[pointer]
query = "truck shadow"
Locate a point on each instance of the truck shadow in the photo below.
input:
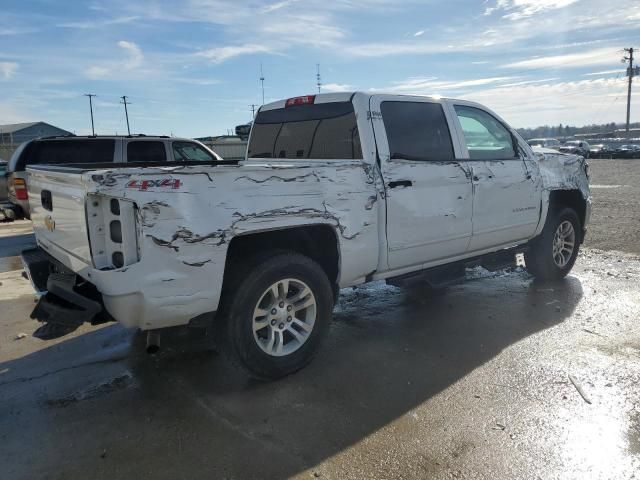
(389, 351)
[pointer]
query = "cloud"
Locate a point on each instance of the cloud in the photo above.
(519, 9)
(9, 31)
(577, 103)
(278, 5)
(337, 87)
(93, 24)
(601, 56)
(432, 85)
(8, 69)
(135, 54)
(96, 72)
(132, 61)
(222, 54)
(419, 33)
(604, 72)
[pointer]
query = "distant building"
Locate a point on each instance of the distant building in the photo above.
(21, 132)
(229, 147)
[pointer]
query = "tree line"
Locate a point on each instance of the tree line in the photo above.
(567, 130)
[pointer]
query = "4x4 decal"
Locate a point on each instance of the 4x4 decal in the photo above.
(144, 185)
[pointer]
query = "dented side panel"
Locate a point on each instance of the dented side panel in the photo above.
(560, 171)
(187, 216)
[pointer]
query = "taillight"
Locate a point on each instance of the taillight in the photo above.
(20, 186)
(304, 100)
(113, 233)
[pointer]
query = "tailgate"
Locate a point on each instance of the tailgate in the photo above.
(57, 203)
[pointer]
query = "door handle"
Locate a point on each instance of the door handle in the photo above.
(400, 183)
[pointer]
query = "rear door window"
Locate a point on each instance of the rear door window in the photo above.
(486, 137)
(146, 151)
(56, 152)
(189, 151)
(317, 131)
(417, 131)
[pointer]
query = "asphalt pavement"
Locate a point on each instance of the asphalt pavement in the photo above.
(498, 377)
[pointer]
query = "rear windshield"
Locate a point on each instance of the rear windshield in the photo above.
(56, 152)
(319, 131)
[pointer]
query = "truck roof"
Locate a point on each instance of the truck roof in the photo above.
(338, 97)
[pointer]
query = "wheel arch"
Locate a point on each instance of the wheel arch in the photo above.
(316, 241)
(573, 199)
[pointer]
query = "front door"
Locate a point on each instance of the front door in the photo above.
(428, 192)
(506, 197)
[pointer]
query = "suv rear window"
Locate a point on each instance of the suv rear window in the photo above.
(146, 151)
(318, 131)
(55, 152)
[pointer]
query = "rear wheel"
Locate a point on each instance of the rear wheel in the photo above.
(554, 252)
(278, 315)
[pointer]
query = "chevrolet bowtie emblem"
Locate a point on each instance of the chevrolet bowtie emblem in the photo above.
(50, 223)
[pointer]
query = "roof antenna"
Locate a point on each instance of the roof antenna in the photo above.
(318, 82)
(262, 82)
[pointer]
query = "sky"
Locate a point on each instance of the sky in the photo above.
(191, 68)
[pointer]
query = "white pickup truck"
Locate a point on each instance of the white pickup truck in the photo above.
(336, 190)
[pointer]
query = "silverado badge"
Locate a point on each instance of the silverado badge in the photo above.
(50, 223)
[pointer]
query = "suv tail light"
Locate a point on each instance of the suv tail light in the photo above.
(304, 100)
(20, 186)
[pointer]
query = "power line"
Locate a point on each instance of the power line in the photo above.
(253, 110)
(318, 82)
(630, 74)
(262, 82)
(91, 95)
(126, 113)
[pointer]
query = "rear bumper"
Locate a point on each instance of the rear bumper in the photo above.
(61, 301)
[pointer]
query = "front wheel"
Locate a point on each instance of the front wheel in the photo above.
(554, 252)
(278, 315)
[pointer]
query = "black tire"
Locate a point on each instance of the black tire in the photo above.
(253, 278)
(539, 259)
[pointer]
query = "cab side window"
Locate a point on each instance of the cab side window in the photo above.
(146, 151)
(417, 131)
(486, 137)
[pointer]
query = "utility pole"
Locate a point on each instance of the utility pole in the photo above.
(253, 110)
(262, 82)
(318, 83)
(91, 95)
(630, 75)
(126, 113)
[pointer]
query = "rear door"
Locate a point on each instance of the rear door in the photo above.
(506, 196)
(429, 193)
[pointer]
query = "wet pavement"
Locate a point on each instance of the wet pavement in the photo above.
(500, 377)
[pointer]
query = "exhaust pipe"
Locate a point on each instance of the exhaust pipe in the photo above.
(153, 341)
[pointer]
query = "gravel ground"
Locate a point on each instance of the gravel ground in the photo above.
(615, 221)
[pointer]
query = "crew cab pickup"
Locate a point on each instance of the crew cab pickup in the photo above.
(336, 190)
